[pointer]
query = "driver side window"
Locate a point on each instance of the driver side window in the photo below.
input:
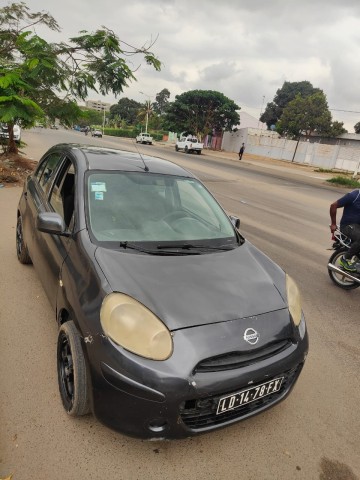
(63, 192)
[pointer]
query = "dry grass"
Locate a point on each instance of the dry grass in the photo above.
(14, 168)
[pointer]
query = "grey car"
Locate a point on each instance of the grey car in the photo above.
(171, 323)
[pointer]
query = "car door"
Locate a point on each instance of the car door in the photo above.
(34, 199)
(52, 249)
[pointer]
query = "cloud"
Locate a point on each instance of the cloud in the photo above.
(245, 50)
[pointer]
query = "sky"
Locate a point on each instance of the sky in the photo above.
(244, 49)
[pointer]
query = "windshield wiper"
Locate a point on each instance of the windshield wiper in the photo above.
(190, 246)
(133, 246)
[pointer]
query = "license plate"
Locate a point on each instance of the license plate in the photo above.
(236, 400)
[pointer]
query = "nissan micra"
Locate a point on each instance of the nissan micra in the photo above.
(171, 323)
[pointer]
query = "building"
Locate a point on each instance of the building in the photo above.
(97, 105)
(249, 125)
(345, 139)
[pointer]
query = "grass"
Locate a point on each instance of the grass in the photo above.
(344, 181)
(324, 170)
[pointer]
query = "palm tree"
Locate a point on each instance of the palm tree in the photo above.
(145, 112)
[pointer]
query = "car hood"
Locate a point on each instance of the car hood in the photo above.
(185, 291)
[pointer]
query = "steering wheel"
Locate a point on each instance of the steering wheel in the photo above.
(175, 215)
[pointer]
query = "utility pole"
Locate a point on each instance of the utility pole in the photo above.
(261, 110)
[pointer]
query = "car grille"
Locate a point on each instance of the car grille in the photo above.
(201, 413)
(239, 359)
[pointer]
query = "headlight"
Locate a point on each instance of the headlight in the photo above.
(293, 297)
(129, 324)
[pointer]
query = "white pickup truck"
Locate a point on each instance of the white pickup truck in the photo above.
(144, 138)
(189, 144)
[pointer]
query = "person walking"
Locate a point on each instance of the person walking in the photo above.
(242, 149)
(349, 225)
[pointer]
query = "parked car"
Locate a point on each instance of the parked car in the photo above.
(96, 133)
(171, 323)
(4, 132)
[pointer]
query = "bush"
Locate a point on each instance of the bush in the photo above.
(345, 181)
(120, 132)
(131, 133)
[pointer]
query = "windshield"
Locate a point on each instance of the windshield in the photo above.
(146, 207)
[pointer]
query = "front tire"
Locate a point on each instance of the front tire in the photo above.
(72, 373)
(21, 249)
(187, 149)
(176, 148)
(340, 280)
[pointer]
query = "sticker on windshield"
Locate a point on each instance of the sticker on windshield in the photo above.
(99, 196)
(98, 187)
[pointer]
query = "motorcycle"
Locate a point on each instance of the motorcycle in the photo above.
(342, 278)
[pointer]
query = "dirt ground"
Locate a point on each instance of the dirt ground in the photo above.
(14, 168)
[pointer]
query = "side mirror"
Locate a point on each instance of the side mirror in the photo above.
(235, 221)
(51, 222)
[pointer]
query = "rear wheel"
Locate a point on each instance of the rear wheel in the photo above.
(21, 249)
(72, 374)
(198, 152)
(340, 279)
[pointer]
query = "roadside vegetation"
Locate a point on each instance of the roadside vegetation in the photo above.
(41, 79)
(297, 109)
(344, 181)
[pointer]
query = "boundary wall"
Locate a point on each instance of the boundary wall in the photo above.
(268, 144)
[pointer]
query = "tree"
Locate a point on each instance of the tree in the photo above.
(145, 112)
(161, 101)
(38, 77)
(306, 114)
(283, 97)
(126, 109)
(357, 127)
(201, 112)
(90, 117)
(337, 128)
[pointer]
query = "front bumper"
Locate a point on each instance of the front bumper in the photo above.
(175, 399)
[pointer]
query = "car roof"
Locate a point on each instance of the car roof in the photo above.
(101, 158)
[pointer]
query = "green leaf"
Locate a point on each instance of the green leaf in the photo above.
(33, 63)
(34, 72)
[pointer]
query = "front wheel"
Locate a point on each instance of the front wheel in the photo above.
(72, 373)
(187, 149)
(198, 152)
(340, 279)
(21, 249)
(176, 148)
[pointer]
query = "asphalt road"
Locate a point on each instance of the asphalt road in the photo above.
(313, 434)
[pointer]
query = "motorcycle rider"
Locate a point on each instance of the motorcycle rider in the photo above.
(349, 225)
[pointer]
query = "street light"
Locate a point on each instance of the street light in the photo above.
(103, 127)
(147, 110)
